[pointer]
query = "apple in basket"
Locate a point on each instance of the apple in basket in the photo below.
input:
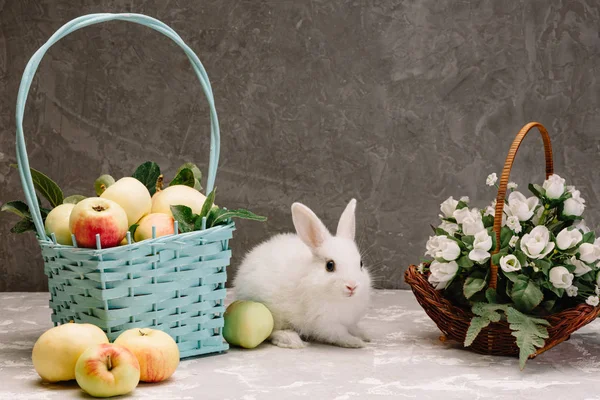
(132, 195)
(155, 350)
(96, 215)
(57, 222)
(163, 223)
(56, 352)
(177, 195)
(107, 370)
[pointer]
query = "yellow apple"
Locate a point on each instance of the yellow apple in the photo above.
(55, 353)
(155, 350)
(96, 215)
(177, 195)
(57, 222)
(132, 195)
(107, 370)
(164, 224)
(247, 323)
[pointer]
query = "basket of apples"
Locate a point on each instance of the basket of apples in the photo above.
(137, 254)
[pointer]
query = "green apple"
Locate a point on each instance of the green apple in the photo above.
(57, 222)
(247, 324)
(107, 370)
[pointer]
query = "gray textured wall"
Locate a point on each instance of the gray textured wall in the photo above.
(397, 103)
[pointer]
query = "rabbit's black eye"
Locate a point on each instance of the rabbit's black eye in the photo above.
(330, 266)
(361, 265)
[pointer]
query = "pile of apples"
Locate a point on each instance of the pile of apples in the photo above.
(120, 205)
(103, 369)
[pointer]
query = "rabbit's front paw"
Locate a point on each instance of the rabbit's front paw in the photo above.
(360, 333)
(287, 339)
(351, 342)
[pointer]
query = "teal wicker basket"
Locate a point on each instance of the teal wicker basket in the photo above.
(173, 283)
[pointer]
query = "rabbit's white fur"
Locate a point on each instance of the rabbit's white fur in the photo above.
(288, 274)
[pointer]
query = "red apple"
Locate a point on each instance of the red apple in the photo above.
(155, 350)
(107, 370)
(96, 215)
(163, 223)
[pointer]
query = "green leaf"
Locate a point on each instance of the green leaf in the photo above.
(223, 215)
(505, 235)
(148, 174)
(511, 276)
(496, 257)
(197, 174)
(74, 199)
(521, 257)
(537, 190)
(208, 203)
(198, 223)
(526, 294)
(23, 225)
(17, 207)
(468, 240)
(484, 315)
(529, 331)
(184, 177)
(488, 221)
(440, 232)
(473, 284)
(491, 295)
(465, 262)
(543, 265)
(461, 205)
(46, 186)
(589, 237)
(132, 229)
(185, 217)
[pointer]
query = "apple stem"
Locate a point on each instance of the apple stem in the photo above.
(109, 362)
(98, 208)
(142, 333)
(159, 182)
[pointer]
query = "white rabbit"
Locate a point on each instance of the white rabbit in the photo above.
(313, 283)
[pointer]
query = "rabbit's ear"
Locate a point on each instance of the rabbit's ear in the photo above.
(347, 226)
(308, 226)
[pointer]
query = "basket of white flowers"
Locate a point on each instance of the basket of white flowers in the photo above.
(518, 277)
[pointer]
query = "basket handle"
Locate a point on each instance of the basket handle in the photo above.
(504, 182)
(33, 64)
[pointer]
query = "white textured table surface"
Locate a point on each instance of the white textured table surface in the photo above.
(405, 360)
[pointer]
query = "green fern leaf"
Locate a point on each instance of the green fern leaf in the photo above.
(484, 315)
(529, 331)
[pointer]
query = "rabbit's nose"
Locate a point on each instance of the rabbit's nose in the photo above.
(351, 286)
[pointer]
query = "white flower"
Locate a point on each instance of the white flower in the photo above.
(512, 186)
(581, 225)
(574, 207)
(448, 207)
(442, 247)
(442, 273)
(460, 215)
(593, 301)
(473, 223)
(536, 244)
(568, 238)
(521, 206)
(510, 263)
(465, 199)
(554, 186)
(481, 247)
(513, 241)
(561, 278)
(572, 291)
(491, 179)
(449, 227)
(514, 224)
(421, 268)
(589, 252)
(581, 268)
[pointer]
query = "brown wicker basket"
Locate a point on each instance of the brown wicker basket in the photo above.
(497, 338)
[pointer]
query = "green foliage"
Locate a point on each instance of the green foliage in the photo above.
(148, 173)
(529, 331)
(46, 187)
(474, 283)
(184, 176)
(197, 174)
(17, 207)
(23, 225)
(208, 203)
(526, 294)
(73, 199)
(465, 262)
(185, 217)
(484, 315)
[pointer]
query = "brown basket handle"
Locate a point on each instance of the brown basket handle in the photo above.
(504, 182)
